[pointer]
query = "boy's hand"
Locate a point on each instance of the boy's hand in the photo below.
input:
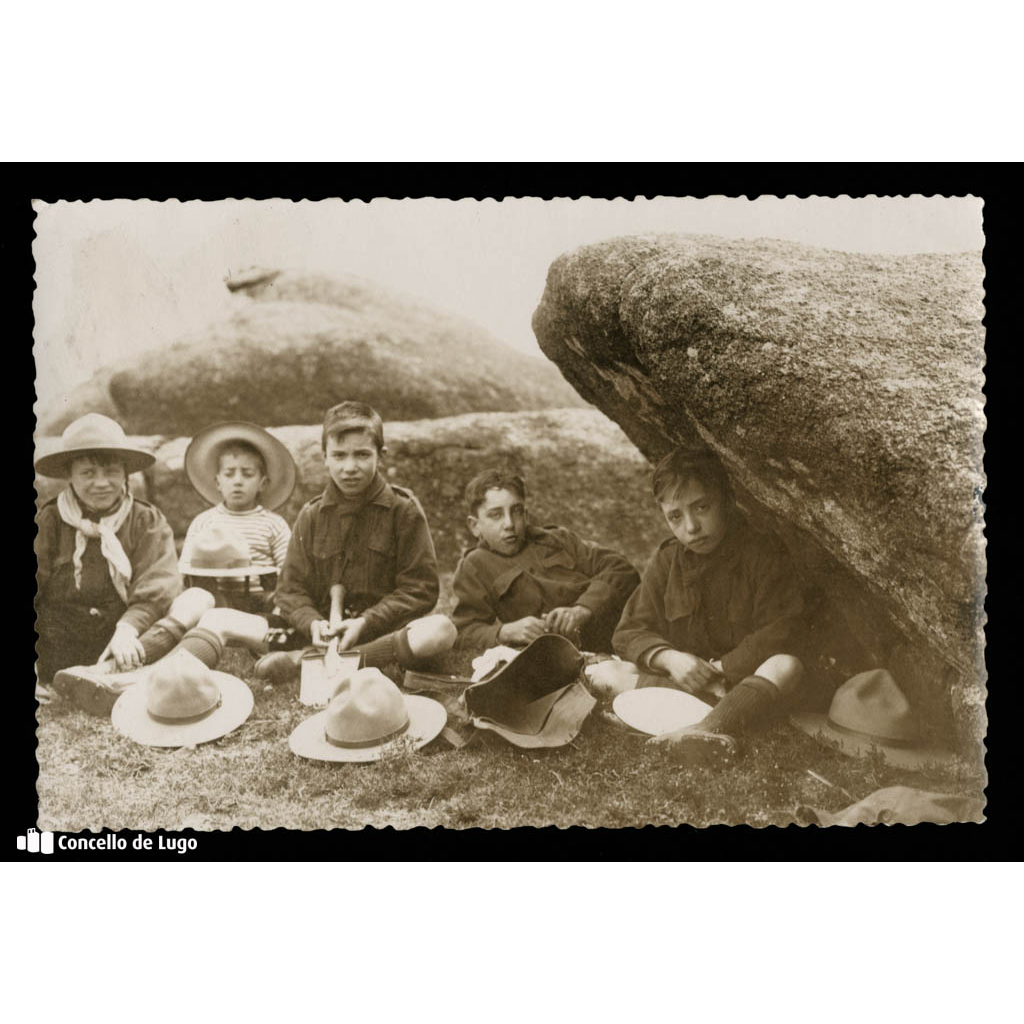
(125, 648)
(685, 670)
(349, 632)
(567, 621)
(522, 631)
(610, 678)
(320, 632)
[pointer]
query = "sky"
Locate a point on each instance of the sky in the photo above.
(119, 276)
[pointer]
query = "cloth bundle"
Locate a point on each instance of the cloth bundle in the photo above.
(534, 699)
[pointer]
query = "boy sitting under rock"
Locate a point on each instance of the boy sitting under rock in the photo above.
(522, 581)
(106, 563)
(245, 473)
(716, 611)
(373, 539)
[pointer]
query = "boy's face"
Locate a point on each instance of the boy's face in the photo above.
(351, 461)
(97, 483)
(696, 514)
(240, 479)
(500, 521)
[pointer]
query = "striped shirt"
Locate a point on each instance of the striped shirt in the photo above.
(266, 533)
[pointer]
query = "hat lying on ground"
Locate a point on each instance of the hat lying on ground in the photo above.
(537, 699)
(366, 713)
(181, 704)
(93, 434)
(658, 709)
(218, 551)
(203, 453)
(869, 712)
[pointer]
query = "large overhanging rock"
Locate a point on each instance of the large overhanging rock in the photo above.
(298, 344)
(842, 391)
(581, 471)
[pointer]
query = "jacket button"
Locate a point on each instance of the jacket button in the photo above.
(94, 611)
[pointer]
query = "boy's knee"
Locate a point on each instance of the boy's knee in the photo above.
(783, 670)
(216, 620)
(232, 625)
(190, 605)
(433, 634)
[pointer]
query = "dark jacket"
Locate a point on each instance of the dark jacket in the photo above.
(554, 569)
(381, 551)
(740, 604)
(147, 541)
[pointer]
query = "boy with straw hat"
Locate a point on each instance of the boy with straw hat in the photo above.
(245, 473)
(107, 569)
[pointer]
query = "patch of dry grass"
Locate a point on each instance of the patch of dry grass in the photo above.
(91, 776)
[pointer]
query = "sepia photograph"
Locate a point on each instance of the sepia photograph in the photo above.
(502, 514)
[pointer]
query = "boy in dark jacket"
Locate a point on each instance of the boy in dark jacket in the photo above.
(521, 581)
(716, 610)
(373, 539)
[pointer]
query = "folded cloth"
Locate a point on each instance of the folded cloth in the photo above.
(491, 659)
(902, 805)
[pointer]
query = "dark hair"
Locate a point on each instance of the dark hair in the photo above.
(240, 447)
(695, 462)
(492, 480)
(344, 417)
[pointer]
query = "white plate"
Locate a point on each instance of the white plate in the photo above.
(658, 709)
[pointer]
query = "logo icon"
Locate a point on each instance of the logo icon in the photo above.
(36, 842)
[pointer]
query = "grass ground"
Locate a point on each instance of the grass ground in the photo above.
(91, 776)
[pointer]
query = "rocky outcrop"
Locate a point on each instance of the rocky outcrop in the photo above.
(581, 471)
(298, 344)
(844, 394)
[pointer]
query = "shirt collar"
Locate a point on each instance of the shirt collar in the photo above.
(221, 507)
(378, 493)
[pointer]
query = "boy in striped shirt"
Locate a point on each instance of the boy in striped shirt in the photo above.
(245, 472)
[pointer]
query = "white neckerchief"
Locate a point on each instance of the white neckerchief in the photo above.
(106, 531)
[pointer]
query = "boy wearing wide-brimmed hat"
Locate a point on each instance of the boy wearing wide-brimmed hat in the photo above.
(372, 538)
(245, 473)
(107, 569)
(717, 613)
(521, 581)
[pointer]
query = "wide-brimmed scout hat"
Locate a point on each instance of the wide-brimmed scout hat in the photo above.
(93, 434)
(181, 704)
(220, 551)
(367, 712)
(537, 699)
(869, 712)
(203, 452)
(658, 709)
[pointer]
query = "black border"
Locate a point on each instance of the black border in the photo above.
(989, 841)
